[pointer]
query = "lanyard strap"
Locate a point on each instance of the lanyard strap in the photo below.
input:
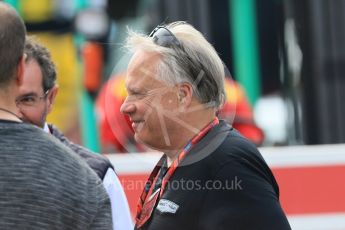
(154, 174)
(186, 149)
(149, 186)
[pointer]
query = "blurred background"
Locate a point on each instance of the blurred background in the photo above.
(287, 55)
(286, 87)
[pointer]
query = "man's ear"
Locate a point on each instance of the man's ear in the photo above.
(20, 70)
(51, 97)
(185, 95)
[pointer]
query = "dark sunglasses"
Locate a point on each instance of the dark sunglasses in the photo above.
(162, 36)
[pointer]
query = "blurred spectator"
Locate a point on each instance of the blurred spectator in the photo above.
(242, 119)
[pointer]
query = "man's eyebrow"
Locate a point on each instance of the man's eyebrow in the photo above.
(27, 94)
(132, 89)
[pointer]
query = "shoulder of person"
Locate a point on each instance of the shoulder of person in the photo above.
(100, 164)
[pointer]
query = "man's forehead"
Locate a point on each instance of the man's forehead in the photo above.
(142, 72)
(141, 80)
(32, 80)
(28, 91)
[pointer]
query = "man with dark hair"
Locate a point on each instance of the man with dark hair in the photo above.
(43, 185)
(210, 176)
(35, 101)
(12, 43)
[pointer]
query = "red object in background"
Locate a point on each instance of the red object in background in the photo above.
(313, 189)
(93, 63)
(116, 131)
(242, 119)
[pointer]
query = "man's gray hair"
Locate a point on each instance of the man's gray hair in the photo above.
(194, 61)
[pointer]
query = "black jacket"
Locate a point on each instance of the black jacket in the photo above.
(223, 183)
(97, 162)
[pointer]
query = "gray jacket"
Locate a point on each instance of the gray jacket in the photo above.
(43, 185)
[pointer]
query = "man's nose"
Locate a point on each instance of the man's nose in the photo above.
(127, 108)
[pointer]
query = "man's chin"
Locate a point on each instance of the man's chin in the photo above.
(138, 139)
(152, 143)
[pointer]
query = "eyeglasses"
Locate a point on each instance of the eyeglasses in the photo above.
(162, 36)
(30, 100)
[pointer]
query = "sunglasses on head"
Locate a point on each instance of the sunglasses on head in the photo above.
(162, 36)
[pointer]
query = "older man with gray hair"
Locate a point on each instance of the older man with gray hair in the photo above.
(209, 177)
